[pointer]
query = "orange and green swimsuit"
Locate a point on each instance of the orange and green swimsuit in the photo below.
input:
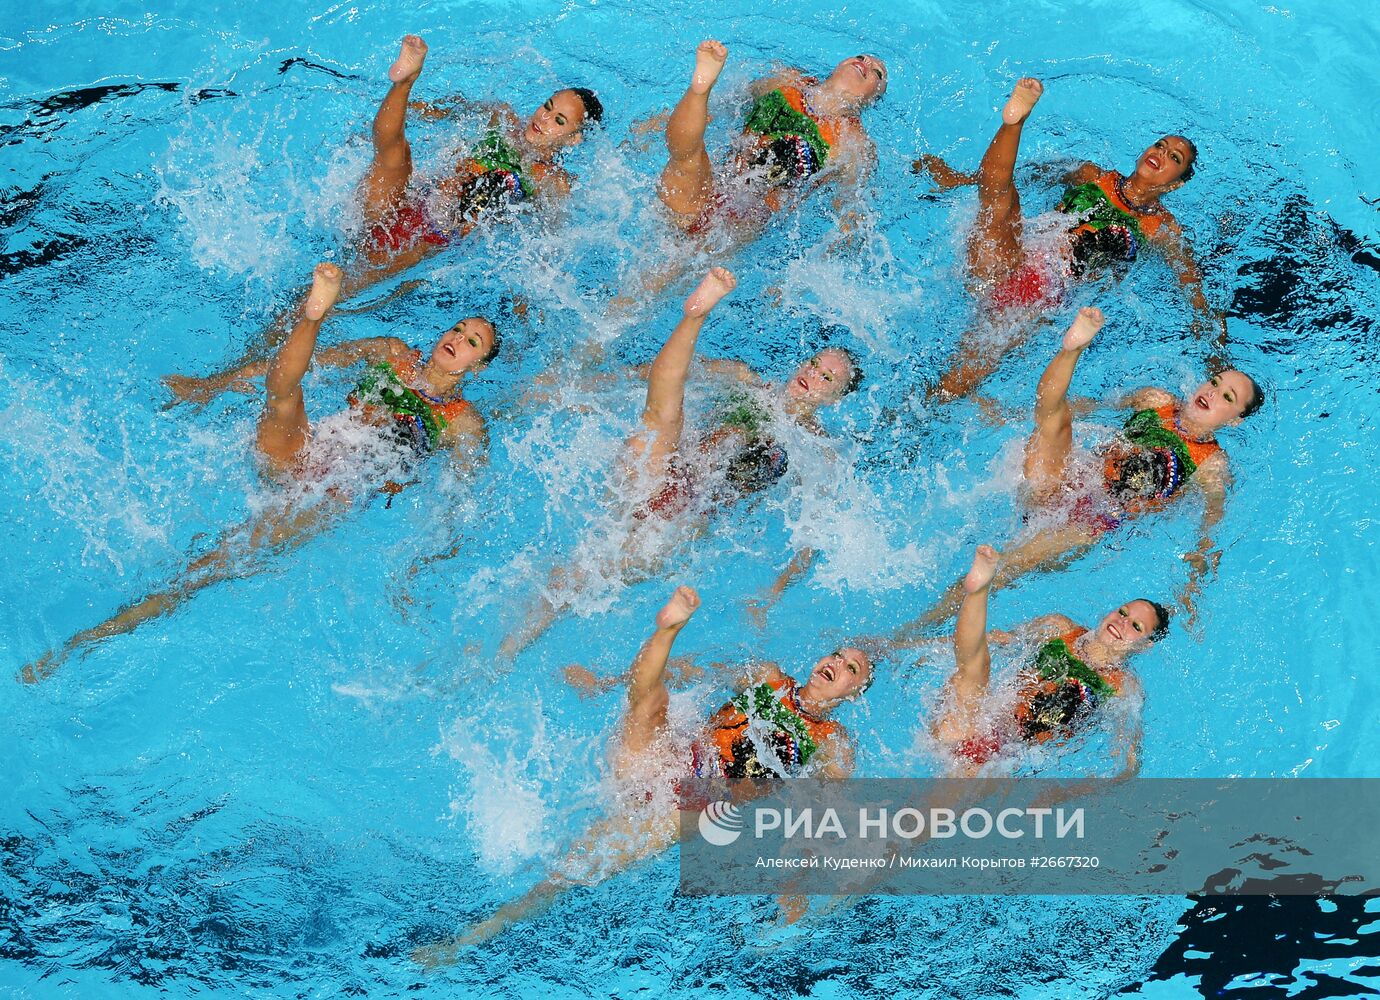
(1099, 206)
(782, 114)
(386, 390)
(1061, 691)
(496, 178)
(771, 712)
(1146, 476)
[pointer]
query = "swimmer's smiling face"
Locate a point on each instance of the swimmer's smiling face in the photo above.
(821, 380)
(1221, 400)
(1129, 627)
(862, 77)
(557, 123)
(841, 675)
(464, 347)
(1164, 164)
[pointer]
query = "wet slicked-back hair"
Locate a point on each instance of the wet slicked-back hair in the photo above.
(496, 340)
(1192, 167)
(1162, 617)
(594, 108)
(1257, 395)
(855, 372)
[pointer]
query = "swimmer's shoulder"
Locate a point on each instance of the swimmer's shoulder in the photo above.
(1085, 173)
(466, 428)
(553, 181)
(1047, 627)
(788, 76)
(1148, 398)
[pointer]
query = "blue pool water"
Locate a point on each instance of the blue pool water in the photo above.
(287, 785)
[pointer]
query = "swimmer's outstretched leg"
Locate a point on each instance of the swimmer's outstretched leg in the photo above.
(994, 249)
(231, 559)
(613, 843)
(645, 720)
(283, 426)
(391, 170)
(995, 252)
(972, 656)
(663, 415)
(688, 180)
(1048, 449)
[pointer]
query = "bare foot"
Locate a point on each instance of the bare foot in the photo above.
(325, 286)
(1085, 326)
(1023, 97)
(944, 176)
(709, 62)
(683, 603)
(410, 59)
(716, 284)
(984, 568)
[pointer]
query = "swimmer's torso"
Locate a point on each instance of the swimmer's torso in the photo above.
(787, 142)
(387, 398)
(1058, 693)
(489, 182)
(770, 712)
(1061, 690)
(1153, 461)
(1108, 228)
(741, 442)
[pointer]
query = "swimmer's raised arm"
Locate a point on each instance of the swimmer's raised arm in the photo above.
(947, 177)
(498, 111)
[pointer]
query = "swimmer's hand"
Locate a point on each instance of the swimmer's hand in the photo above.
(200, 391)
(757, 609)
(1203, 563)
(944, 176)
(583, 679)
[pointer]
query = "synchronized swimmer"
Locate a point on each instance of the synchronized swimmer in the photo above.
(686, 479)
(413, 406)
(799, 134)
(1113, 217)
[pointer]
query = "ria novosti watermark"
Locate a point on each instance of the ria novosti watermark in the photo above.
(1177, 836)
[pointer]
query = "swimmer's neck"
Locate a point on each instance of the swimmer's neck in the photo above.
(816, 709)
(829, 103)
(443, 384)
(1190, 426)
(1142, 195)
(803, 411)
(530, 153)
(1096, 653)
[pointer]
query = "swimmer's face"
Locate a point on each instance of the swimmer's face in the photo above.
(839, 676)
(862, 77)
(464, 347)
(1128, 628)
(821, 380)
(556, 123)
(1164, 163)
(1222, 399)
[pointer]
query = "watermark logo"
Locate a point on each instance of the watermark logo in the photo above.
(721, 823)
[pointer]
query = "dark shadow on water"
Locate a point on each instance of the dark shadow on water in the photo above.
(1259, 938)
